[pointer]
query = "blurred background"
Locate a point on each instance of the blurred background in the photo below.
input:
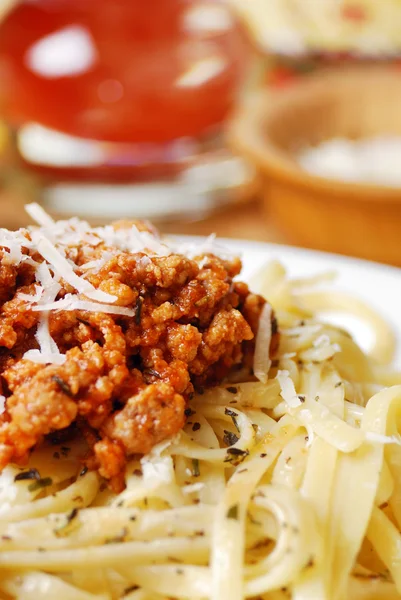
(271, 120)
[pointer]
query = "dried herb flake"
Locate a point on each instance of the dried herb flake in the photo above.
(130, 589)
(233, 415)
(230, 438)
(232, 512)
(195, 467)
(40, 483)
(138, 310)
(64, 387)
(31, 474)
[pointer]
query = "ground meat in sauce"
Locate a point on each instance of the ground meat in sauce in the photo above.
(126, 381)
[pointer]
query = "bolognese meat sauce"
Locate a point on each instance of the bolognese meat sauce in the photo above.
(113, 331)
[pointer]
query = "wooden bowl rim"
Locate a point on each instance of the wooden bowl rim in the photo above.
(245, 133)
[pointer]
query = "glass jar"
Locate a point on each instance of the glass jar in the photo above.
(120, 106)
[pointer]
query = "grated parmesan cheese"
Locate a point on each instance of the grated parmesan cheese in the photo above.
(261, 361)
(70, 302)
(36, 212)
(288, 392)
(32, 298)
(41, 358)
(51, 239)
(379, 438)
(66, 271)
(48, 350)
(2, 404)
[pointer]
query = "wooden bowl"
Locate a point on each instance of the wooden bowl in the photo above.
(349, 218)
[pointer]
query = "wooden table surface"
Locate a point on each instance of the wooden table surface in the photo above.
(244, 221)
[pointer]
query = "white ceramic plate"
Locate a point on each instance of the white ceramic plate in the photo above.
(379, 285)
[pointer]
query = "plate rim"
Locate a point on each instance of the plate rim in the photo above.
(258, 245)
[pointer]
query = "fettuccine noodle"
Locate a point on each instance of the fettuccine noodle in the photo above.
(289, 489)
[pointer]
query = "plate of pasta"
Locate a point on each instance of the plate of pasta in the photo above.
(256, 457)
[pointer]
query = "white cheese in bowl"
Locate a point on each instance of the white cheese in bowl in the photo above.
(375, 160)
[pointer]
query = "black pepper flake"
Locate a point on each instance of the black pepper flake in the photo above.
(188, 412)
(138, 310)
(56, 455)
(179, 571)
(232, 389)
(196, 426)
(137, 472)
(235, 456)
(263, 455)
(317, 398)
(83, 471)
(41, 549)
(233, 415)
(195, 467)
(62, 531)
(338, 384)
(230, 438)
(301, 398)
(232, 512)
(174, 559)
(264, 543)
(6, 538)
(64, 387)
(130, 589)
(31, 474)
(307, 438)
(65, 450)
(132, 518)
(40, 483)
(152, 373)
(199, 533)
(71, 515)
(237, 451)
